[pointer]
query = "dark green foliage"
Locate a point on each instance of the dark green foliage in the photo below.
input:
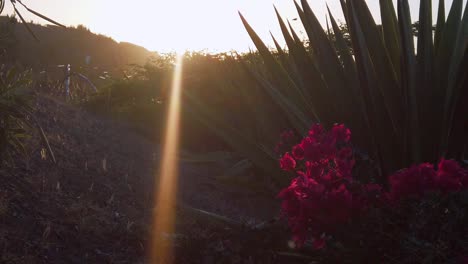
(56, 43)
(8, 39)
(14, 112)
(141, 98)
(399, 102)
(429, 230)
(402, 102)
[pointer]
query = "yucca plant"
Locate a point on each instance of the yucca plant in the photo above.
(404, 102)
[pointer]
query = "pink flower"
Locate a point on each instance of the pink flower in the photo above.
(341, 133)
(422, 178)
(314, 169)
(345, 153)
(345, 167)
(327, 147)
(298, 152)
(318, 200)
(319, 243)
(450, 176)
(324, 196)
(412, 182)
(339, 205)
(311, 150)
(316, 130)
(287, 162)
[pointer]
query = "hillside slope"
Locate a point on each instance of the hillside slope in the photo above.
(95, 205)
(77, 46)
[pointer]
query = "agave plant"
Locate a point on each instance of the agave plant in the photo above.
(403, 101)
(406, 103)
(233, 105)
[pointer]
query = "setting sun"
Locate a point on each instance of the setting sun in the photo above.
(164, 26)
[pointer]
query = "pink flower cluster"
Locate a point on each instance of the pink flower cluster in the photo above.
(323, 196)
(420, 179)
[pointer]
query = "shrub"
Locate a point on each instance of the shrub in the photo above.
(15, 111)
(326, 204)
(324, 194)
(404, 101)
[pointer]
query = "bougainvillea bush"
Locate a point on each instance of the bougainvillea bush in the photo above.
(421, 213)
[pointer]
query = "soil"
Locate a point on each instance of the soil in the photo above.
(95, 204)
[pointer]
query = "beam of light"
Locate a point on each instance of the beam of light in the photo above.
(164, 215)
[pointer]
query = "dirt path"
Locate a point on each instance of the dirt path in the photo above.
(95, 204)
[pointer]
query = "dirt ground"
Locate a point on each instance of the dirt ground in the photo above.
(95, 204)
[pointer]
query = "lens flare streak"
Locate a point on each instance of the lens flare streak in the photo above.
(164, 215)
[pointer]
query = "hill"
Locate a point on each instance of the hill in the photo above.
(73, 45)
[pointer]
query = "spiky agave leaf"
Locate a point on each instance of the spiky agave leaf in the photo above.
(320, 97)
(235, 137)
(408, 84)
(394, 87)
(455, 110)
(457, 141)
(383, 88)
(282, 80)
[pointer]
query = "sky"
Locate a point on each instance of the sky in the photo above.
(179, 25)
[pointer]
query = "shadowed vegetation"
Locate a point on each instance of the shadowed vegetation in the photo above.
(86, 159)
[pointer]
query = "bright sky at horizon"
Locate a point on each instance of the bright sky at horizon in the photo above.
(180, 25)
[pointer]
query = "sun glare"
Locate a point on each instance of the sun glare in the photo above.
(166, 189)
(180, 25)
